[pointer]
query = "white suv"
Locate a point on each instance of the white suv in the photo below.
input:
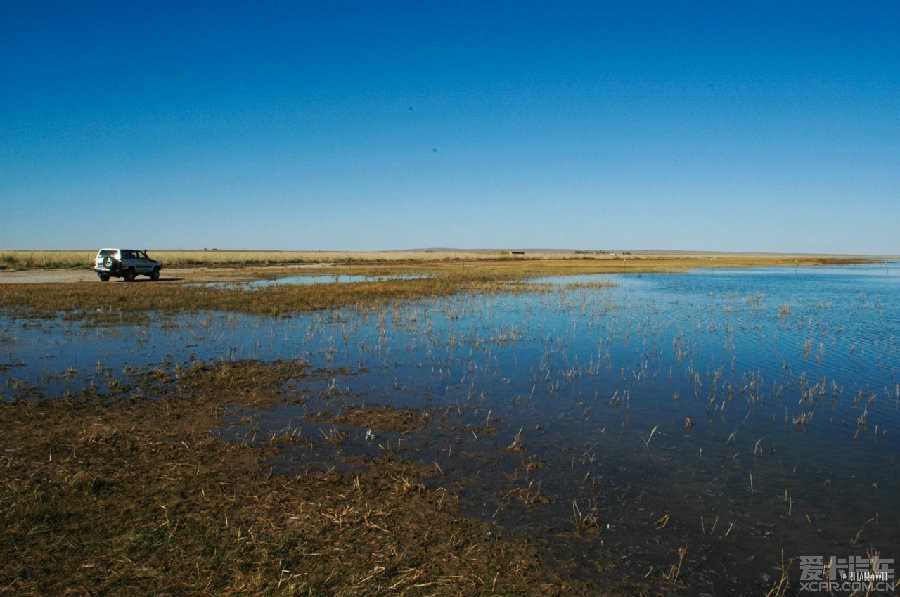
(125, 263)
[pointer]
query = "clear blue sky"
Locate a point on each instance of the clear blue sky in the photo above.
(386, 125)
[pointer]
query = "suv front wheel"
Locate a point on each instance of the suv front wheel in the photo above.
(154, 275)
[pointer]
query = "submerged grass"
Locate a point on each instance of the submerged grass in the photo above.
(131, 493)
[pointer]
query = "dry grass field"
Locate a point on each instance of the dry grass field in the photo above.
(178, 258)
(18, 259)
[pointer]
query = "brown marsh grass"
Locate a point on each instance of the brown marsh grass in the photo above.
(132, 493)
(273, 300)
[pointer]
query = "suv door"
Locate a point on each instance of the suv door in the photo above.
(141, 265)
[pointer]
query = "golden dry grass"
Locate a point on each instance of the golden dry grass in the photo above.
(19, 259)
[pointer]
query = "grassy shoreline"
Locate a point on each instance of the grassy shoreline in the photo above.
(187, 292)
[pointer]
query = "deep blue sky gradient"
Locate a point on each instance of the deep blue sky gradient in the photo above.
(758, 126)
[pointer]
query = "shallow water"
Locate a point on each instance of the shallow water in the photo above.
(739, 413)
(308, 280)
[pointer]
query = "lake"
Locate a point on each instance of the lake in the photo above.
(712, 424)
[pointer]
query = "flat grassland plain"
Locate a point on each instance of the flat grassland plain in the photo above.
(127, 485)
(33, 276)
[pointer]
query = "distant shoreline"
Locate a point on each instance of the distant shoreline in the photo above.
(14, 259)
(53, 267)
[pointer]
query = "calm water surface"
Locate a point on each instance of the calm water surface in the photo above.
(750, 416)
(309, 280)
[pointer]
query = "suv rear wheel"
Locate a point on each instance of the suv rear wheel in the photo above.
(130, 275)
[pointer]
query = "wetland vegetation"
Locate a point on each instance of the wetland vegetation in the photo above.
(130, 491)
(501, 426)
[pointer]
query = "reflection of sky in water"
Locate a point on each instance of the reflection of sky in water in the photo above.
(308, 280)
(790, 376)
